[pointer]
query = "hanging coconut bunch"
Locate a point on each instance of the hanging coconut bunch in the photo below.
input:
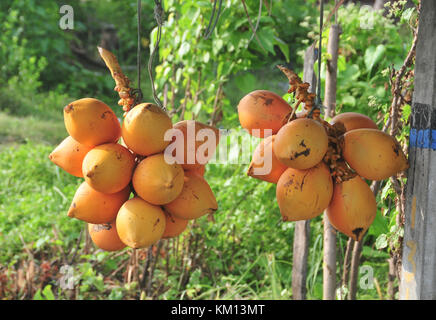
(133, 194)
(318, 165)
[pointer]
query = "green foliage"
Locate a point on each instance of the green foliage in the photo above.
(38, 52)
(46, 294)
(195, 67)
(23, 68)
(369, 44)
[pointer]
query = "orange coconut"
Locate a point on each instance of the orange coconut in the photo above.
(262, 109)
(174, 226)
(96, 207)
(373, 154)
(195, 200)
(105, 236)
(264, 164)
(193, 144)
(108, 168)
(139, 223)
(69, 155)
(301, 143)
(304, 194)
(354, 120)
(91, 122)
(156, 181)
(353, 208)
(144, 129)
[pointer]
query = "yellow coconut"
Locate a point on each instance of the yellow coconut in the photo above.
(139, 223)
(196, 146)
(108, 168)
(264, 164)
(195, 200)
(354, 120)
(374, 155)
(304, 194)
(91, 122)
(156, 181)
(144, 129)
(96, 207)
(353, 208)
(301, 144)
(105, 236)
(69, 155)
(263, 110)
(174, 226)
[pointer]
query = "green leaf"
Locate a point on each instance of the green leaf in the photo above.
(407, 14)
(373, 55)
(206, 57)
(369, 252)
(379, 225)
(38, 295)
(407, 110)
(196, 109)
(247, 82)
(184, 49)
(218, 44)
(284, 48)
(153, 37)
(381, 242)
(266, 36)
(350, 100)
(48, 294)
(351, 72)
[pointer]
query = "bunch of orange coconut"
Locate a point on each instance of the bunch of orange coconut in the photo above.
(319, 165)
(131, 194)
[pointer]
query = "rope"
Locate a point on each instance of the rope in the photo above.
(318, 86)
(210, 28)
(138, 58)
(137, 93)
(253, 29)
(258, 20)
(158, 16)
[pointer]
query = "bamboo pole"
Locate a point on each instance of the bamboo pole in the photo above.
(329, 246)
(302, 228)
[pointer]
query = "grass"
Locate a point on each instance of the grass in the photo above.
(34, 197)
(17, 130)
(34, 193)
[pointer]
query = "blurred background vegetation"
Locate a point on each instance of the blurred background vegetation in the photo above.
(247, 251)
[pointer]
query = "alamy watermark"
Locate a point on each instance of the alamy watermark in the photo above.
(367, 17)
(367, 277)
(67, 281)
(66, 22)
(228, 146)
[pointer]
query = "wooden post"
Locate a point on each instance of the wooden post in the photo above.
(302, 228)
(331, 71)
(329, 245)
(379, 4)
(354, 271)
(418, 270)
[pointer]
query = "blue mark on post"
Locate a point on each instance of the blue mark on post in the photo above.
(423, 127)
